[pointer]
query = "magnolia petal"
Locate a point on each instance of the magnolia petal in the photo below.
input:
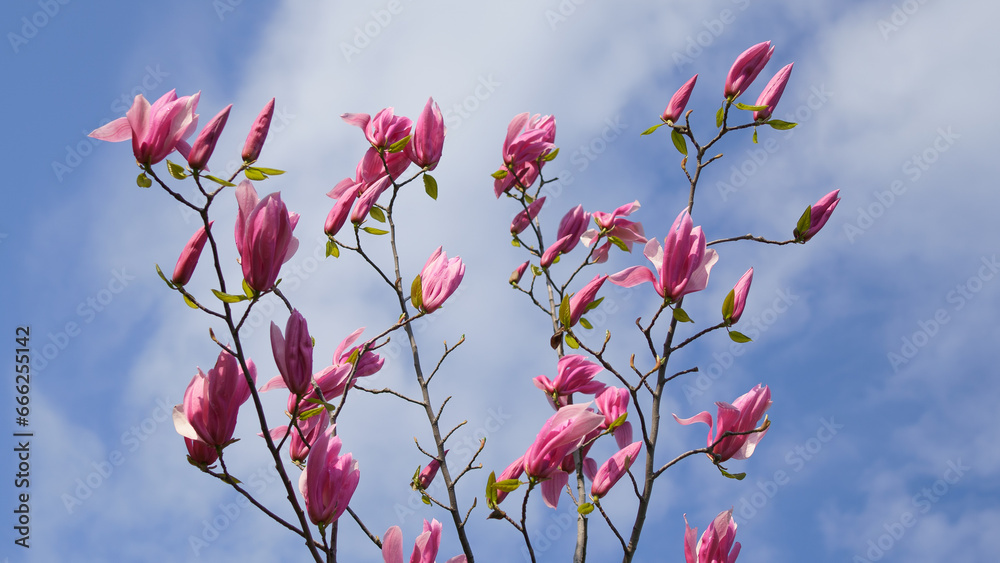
(552, 488)
(114, 131)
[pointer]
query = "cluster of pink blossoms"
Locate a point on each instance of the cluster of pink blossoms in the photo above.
(264, 240)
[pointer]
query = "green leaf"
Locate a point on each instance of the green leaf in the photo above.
(564, 312)
(219, 181)
(728, 305)
(720, 115)
(571, 342)
(755, 135)
(143, 181)
(227, 298)
(737, 476)
(536, 270)
(515, 243)
(254, 174)
(311, 413)
(431, 186)
(170, 284)
(682, 316)
(377, 214)
(679, 143)
(618, 242)
(190, 303)
(804, 223)
(373, 230)
(400, 144)
(585, 508)
(551, 155)
(651, 129)
(507, 485)
(270, 171)
(417, 293)
(585, 323)
(618, 421)
(247, 290)
(739, 337)
(780, 125)
(749, 107)
(332, 249)
(176, 170)
(500, 174)
(593, 305)
(425, 499)
(491, 490)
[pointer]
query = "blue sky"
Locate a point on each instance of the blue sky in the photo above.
(876, 338)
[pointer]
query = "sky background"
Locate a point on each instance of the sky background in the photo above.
(878, 338)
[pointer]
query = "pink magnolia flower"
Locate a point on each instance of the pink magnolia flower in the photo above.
(561, 435)
(200, 452)
(337, 217)
(819, 215)
(428, 473)
(513, 471)
(293, 353)
(614, 469)
(528, 140)
(518, 273)
(212, 402)
(189, 256)
(383, 130)
(746, 68)
(258, 133)
(424, 149)
(302, 439)
(334, 379)
(679, 101)
(369, 196)
(526, 216)
(615, 225)
(772, 93)
(613, 402)
(156, 130)
(329, 479)
(740, 292)
(717, 545)
(263, 236)
(425, 547)
(571, 227)
(682, 264)
(204, 144)
(582, 299)
(439, 279)
(741, 416)
(575, 375)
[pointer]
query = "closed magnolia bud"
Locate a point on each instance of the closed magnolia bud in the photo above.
(204, 145)
(258, 133)
(189, 256)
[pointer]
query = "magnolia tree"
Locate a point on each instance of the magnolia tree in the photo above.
(321, 479)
